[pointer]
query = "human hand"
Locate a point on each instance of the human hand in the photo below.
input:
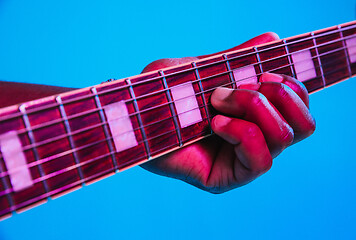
(257, 122)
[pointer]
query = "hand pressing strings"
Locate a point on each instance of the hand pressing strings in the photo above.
(256, 123)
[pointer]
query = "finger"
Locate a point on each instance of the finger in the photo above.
(261, 39)
(291, 106)
(249, 143)
(168, 62)
(252, 106)
(294, 84)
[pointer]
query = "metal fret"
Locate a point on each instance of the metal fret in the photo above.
(144, 136)
(345, 50)
(289, 58)
(202, 93)
(233, 82)
(171, 107)
(258, 59)
(105, 127)
(31, 137)
(318, 57)
(70, 138)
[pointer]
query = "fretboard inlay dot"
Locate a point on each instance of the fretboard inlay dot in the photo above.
(15, 161)
(245, 75)
(351, 48)
(304, 65)
(186, 104)
(120, 126)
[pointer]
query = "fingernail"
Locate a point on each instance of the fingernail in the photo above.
(271, 77)
(250, 86)
(221, 93)
(221, 121)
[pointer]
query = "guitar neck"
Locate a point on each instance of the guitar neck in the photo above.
(57, 144)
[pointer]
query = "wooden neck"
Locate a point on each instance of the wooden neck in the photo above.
(79, 137)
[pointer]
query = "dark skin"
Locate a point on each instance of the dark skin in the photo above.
(257, 122)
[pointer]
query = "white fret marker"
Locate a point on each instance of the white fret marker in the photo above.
(245, 75)
(120, 126)
(186, 104)
(351, 48)
(304, 65)
(15, 161)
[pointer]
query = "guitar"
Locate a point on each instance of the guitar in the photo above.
(55, 145)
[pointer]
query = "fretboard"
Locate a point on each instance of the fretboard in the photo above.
(58, 144)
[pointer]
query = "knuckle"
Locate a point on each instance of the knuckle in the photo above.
(310, 128)
(284, 91)
(263, 165)
(266, 164)
(257, 99)
(252, 131)
(286, 136)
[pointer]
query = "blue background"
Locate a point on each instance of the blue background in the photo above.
(308, 194)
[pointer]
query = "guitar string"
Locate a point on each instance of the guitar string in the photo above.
(77, 183)
(67, 187)
(313, 36)
(60, 120)
(29, 147)
(47, 176)
(59, 137)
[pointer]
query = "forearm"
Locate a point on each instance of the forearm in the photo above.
(14, 92)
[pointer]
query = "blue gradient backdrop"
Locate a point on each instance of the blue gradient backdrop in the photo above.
(308, 194)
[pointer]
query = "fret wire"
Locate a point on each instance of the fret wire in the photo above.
(197, 75)
(171, 107)
(104, 124)
(92, 144)
(70, 136)
(256, 75)
(85, 129)
(345, 50)
(289, 59)
(143, 133)
(165, 147)
(232, 79)
(31, 137)
(258, 59)
(94, 159)
(155, 78)
(151, 79)
(319, 60)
